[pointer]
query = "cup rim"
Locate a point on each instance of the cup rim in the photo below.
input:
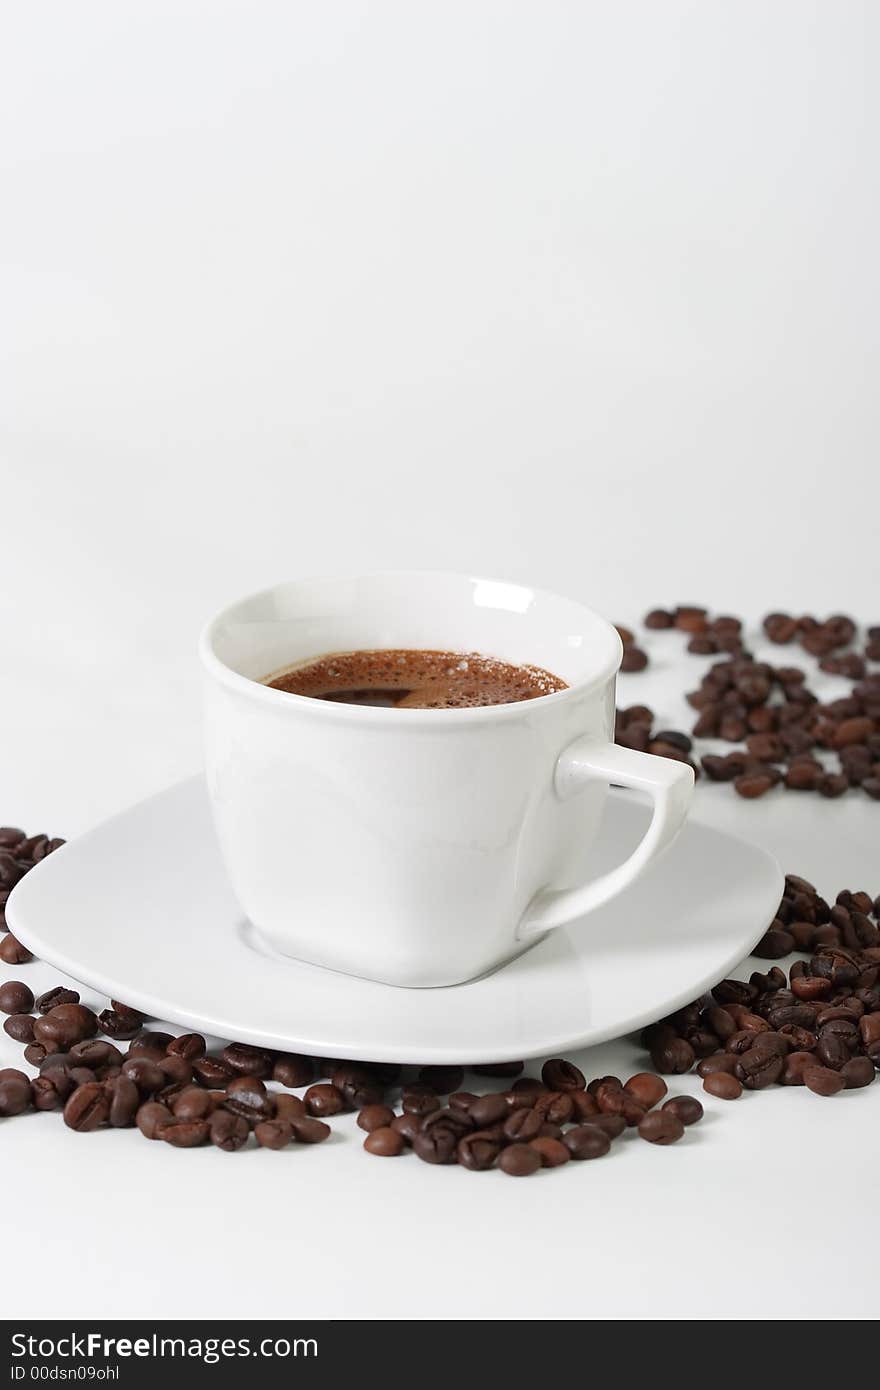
(391, 716)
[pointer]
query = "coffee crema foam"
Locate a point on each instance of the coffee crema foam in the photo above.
(412, 679)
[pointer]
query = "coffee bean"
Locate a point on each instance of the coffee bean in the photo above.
(559, 1075)
(634, 659)
(384, 1142)
(20, 1028)
(552, 1152)
(584, 1106)
(293, 1070)
(723, 1086)
(15, 997)
(374, 1117)
(150, 1044)
(611, 1125)
(191, 1103)
(408, 1125)
(686, 1109)
(211, 1071)
(443, 1080)
(16, 1095)
(857, 1072)
(358, 1086)
(10, 836)
(587, 1141)
(289, 1108)
(832, 1051)
(869, 1028)
(151, 1118)
(247, 1061)
(59, 995)
(447, 1118)
(88, 1107)
(521, 1160)
(324, 1099)
(419, 1100)
(661, 1127)
(124, 1101)
(273, 1134)
(188, 1045)
(823, 1081)
(119, 1025)
(673, 1056)
(659, 618)
(438, 1145)
(758, 1069)
(488, 1110)
(176, 1069)
(48, 1094)
(718, 1062)
(248, 1097)
(65, 1025)
(522, 1125)
(646, 1089)
(227, 1131)
(185, 1134)
(146, 1075)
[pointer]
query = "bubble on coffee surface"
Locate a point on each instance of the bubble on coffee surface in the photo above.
(400, 678)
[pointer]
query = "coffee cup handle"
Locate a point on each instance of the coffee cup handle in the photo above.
(670, 785)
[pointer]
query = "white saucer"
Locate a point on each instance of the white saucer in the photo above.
(141, 909)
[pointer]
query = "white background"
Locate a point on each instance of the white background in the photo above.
(580, 294)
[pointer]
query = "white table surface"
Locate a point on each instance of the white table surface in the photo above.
(576, 294)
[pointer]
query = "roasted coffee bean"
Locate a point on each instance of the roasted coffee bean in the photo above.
(175, 1069)
(521, 1160)
(292, 1069)
(823, 1081)
(147, 1076)
(718, 1062)
(65, 1025)
(419, 1100)
(124, 1099)
(832, 1051)
(555, 1108)
(10, 836)
(211, 1071)
(444, 1080)
(686, 1109)
(324, 1099)
(500, 1069)
(273, 1134)
(857, 1072)
(185, 1134)
(385, 1142)
(447, 1118)
(191, 1103)
(248, 1097)
(20, 1027)
(150, 1044)
(659, 618)
(408, 1125)
(358, 1086)
(375, 1117)
(95, 1053)
(488, 1110)
(58, 995)
(611, 1125)
(584, 1106)
(438, 1145)
(774, 944)
(723, 1086)
(522, 1125)
(552, 1152)
(247, 1061)
(289, 1108)
(621, 1103)
(15, 997)
(587, 1141)
(661, 1127)
(463, 1100)
(227, 1131)
(88, 1107)
(189, 1046)
(776, 1043)
(869, 1028)
(559, 1075)
(646, 1088)
(634, 659)
(673, 1056)
(119, 1025)
(758, 1069)
(151, 1119)
(16, 1095)
(49, 1094)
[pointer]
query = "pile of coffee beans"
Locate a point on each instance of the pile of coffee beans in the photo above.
(818, 1026)
(790, 738)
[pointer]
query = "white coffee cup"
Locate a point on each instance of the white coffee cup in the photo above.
(419, 847)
